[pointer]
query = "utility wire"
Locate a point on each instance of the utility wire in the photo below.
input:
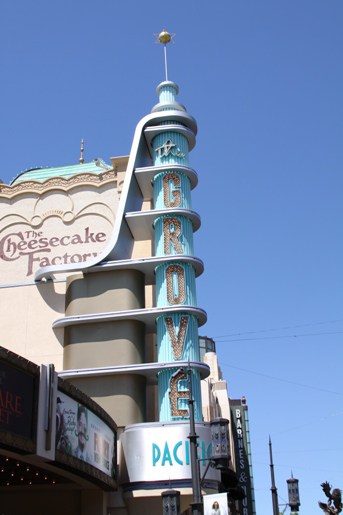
(279, 337)
(277, 329)
(281, 379)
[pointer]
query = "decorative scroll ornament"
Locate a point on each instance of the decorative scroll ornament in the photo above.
(334, 503)
(169, 148)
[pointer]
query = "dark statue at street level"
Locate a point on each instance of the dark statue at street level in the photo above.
(334, 503)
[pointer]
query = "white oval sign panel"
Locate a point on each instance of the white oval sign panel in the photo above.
(54, 228)
(161, 451)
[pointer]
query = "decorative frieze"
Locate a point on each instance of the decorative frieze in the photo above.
(84, 179)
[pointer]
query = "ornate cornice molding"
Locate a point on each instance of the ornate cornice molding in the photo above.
(84, 179)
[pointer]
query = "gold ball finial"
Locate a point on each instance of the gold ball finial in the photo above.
(164, 37)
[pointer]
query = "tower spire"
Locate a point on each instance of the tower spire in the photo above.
(82, 149)
(167, 90)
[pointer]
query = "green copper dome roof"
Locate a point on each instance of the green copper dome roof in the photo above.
(97, 166)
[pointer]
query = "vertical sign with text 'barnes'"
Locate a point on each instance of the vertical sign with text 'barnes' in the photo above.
(240, 432)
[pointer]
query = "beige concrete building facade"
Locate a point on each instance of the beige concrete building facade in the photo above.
(79, 311)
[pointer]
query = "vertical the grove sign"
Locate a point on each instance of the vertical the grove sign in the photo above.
(159, 451)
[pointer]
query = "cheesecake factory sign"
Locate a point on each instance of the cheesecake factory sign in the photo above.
(38, 249)
(52, 229)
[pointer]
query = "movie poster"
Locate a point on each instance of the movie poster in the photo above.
(216, 504)
(80, 433)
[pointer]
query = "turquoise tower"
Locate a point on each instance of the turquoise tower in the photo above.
(177, 330)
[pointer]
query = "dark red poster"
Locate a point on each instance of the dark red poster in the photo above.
(17, 389)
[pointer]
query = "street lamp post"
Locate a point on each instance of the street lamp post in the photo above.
(220, 451)
(273, 488)
(197, 505)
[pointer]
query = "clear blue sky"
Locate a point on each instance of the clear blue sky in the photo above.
(264, 80)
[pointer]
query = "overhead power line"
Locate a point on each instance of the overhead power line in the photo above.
(281, 379)
(278, 337)
(277, 329)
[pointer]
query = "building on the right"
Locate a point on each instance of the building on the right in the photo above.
(242, 454)
(237, 479)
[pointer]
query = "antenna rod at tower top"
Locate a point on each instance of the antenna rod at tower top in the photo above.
(273, 488)
(164, 37)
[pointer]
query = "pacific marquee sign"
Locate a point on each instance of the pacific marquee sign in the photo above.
(161, 451)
